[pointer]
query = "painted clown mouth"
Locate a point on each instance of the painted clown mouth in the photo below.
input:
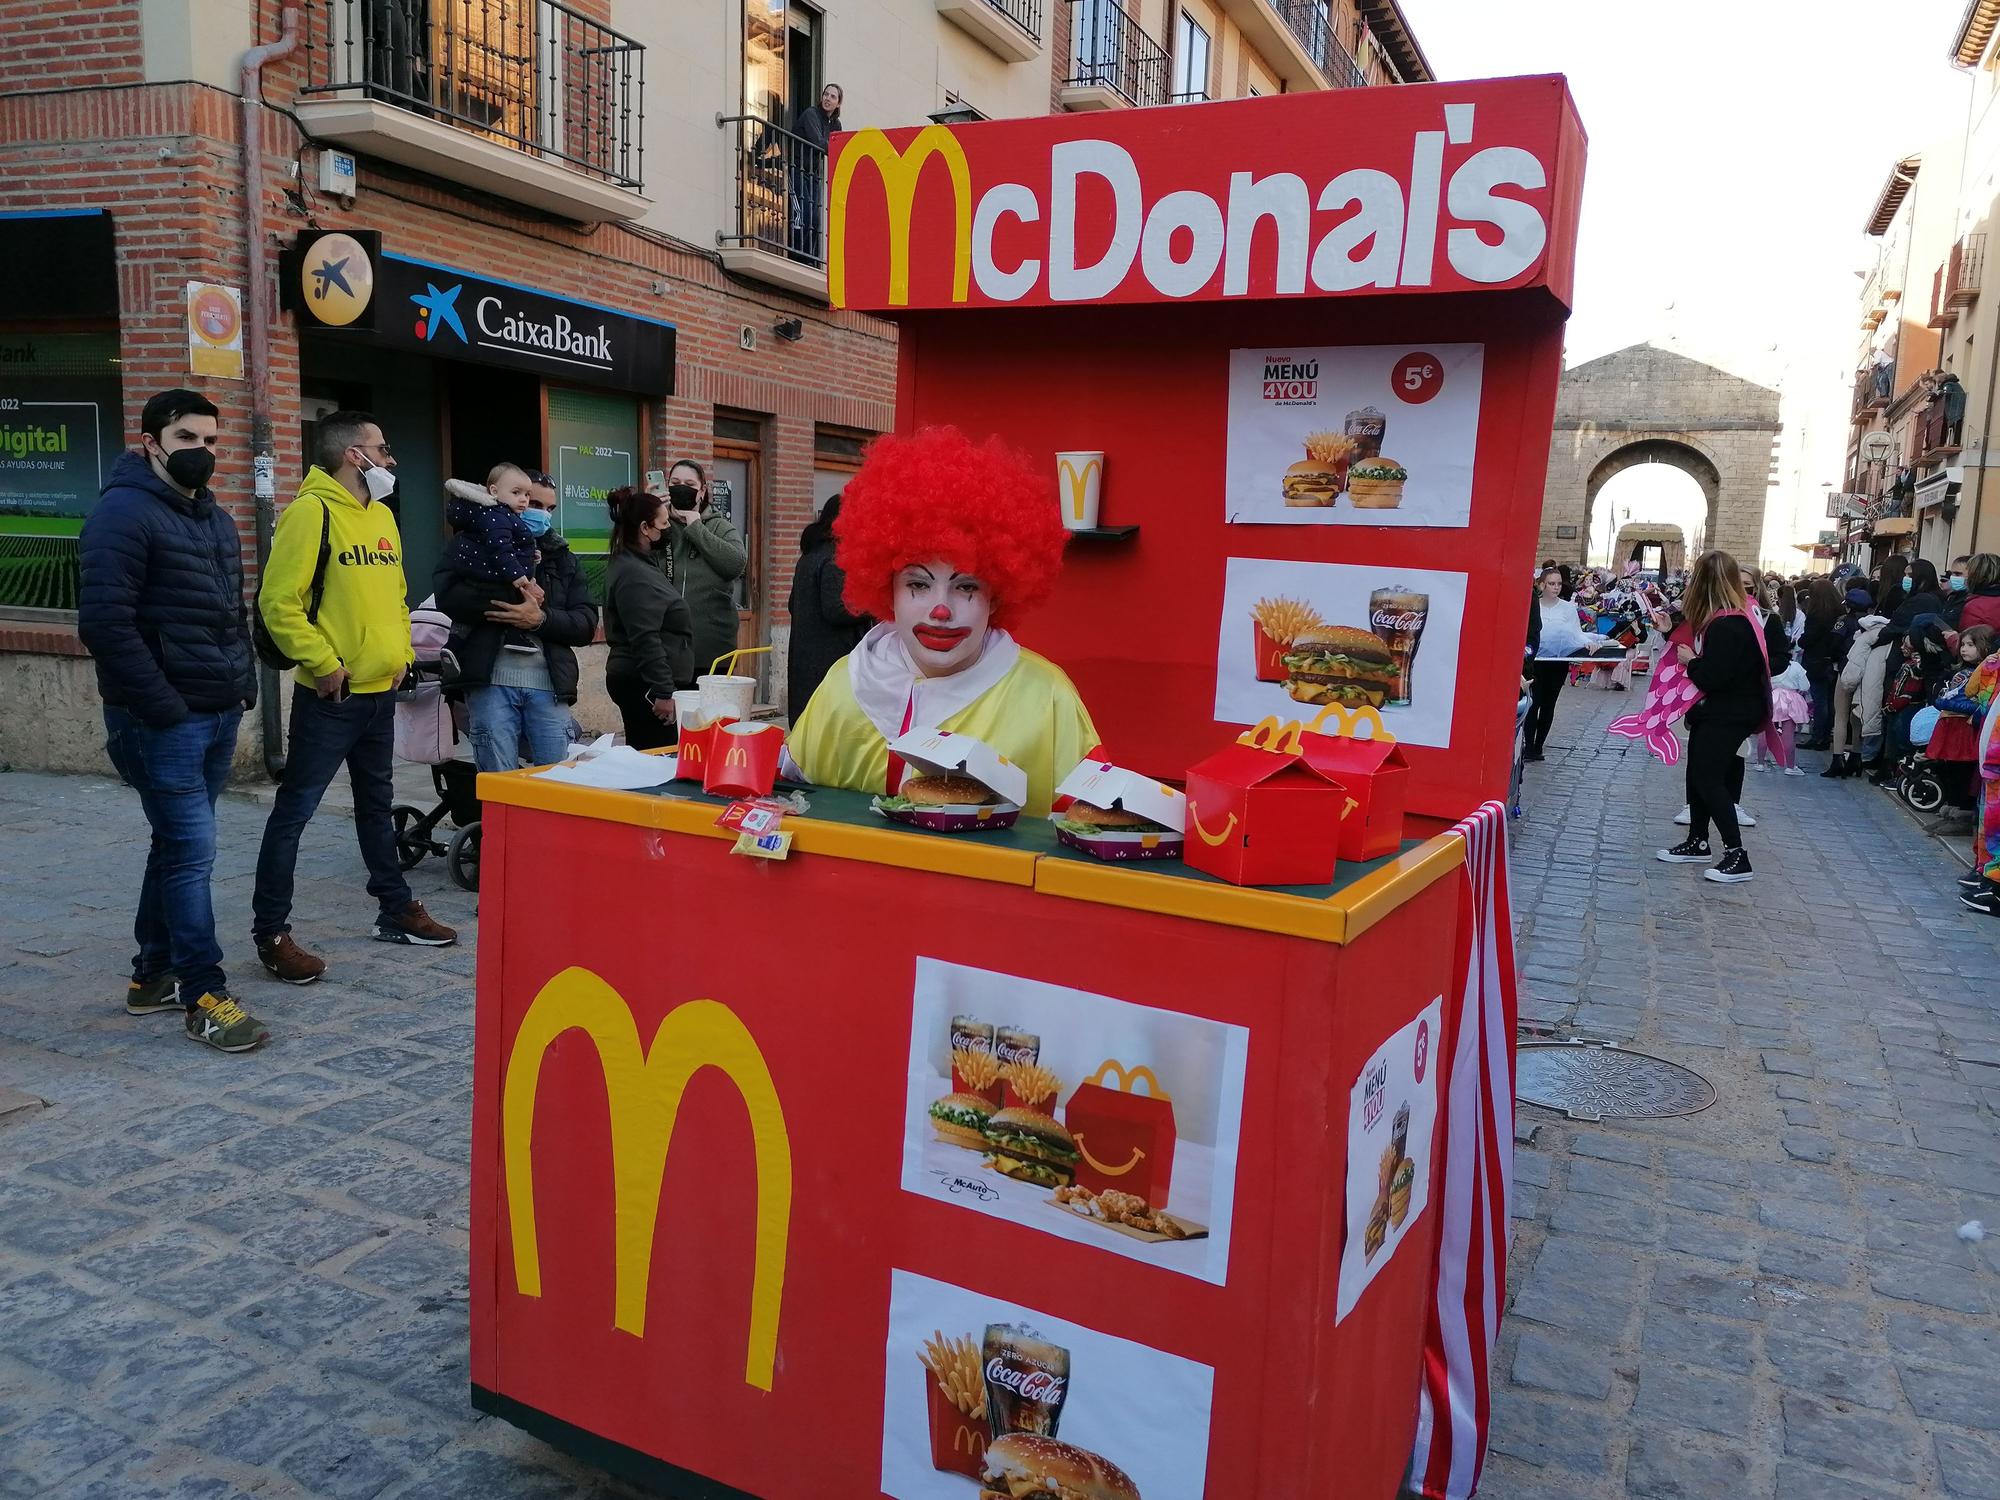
(940, 638)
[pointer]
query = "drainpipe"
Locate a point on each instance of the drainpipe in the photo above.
(263, 454)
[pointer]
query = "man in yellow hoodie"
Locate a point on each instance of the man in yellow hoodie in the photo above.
(352, 646)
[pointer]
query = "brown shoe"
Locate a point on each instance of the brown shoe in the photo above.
(288, 961)
(414, 925)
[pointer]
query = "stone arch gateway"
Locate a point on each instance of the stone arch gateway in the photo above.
(1650, 405)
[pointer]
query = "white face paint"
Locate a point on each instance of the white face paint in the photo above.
(941, 616)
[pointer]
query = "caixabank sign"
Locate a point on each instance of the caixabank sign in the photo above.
(344, 284)
(1431, 188)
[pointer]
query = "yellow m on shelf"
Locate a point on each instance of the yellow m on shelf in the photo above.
(645, 1086)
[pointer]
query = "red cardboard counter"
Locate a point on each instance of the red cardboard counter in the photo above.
(716, 1227)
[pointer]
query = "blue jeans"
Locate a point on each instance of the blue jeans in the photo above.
(178, 773)
(509, 721)
(359, 730)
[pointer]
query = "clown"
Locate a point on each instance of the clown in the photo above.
(945, 542)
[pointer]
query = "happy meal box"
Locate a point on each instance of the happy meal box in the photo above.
(1115, 814)
(953, 784)
(1124, 1139)
(1260, 816)
(1376, 777)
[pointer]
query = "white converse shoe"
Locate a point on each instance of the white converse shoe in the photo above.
(1684, 817)
(1745, 819)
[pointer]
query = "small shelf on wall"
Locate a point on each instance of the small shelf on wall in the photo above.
(1106, 533)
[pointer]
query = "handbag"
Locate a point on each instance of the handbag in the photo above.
(269, 652)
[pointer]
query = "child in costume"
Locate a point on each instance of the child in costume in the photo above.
(494, 540)
(1980, 890)
(945, 541)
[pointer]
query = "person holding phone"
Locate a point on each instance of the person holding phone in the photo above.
(648, 628)
(707, 556)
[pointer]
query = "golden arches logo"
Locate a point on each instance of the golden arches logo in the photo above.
(1129, 1079)
(969, 1439)
(1098, 1166)
(1269, 734)
(737, 756)
(690, 751)
(1213, 840)
(1347, 720)
(900, 171)
(1076, 483)
(645, 1085)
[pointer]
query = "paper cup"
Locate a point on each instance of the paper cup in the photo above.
(1079, 484)
(687, 709)
(726, 697)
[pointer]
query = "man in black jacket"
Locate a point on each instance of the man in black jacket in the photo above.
(161, 613)
(516, 697)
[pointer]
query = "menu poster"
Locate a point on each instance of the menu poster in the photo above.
(1362, 435)
(1103, 1122)
(1390, 1118)
(968, 1376)
(1300, 637)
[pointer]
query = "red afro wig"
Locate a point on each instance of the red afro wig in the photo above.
(941, 495)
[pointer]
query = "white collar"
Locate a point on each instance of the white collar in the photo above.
(887, 685)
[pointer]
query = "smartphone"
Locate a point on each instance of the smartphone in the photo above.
(656, 481)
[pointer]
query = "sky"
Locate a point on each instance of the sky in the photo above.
(1735, 151)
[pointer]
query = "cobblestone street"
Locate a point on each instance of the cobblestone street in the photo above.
(246, 1275)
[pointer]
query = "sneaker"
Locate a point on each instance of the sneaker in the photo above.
(1759, 767)
(1684, 817)
(1531, 756)
(219, 1022)
(1971, 882)
(288, 961)
(1734, 868)
(1985, 900)
(152, 996)
(414, 925)
(1793, 771)
(1745, 819)
(1686, 852)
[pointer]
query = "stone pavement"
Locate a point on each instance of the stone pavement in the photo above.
(246, 1275)
(1767, 1300)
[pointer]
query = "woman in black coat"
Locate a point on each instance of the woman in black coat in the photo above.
(1735, 680)
(1822, 653)
(1907, 594)
(823, 628)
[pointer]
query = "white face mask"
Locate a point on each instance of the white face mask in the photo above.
(381, 482)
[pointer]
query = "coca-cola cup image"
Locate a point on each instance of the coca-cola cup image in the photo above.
(1027, 1378)
(1397, 616)
(1366, 427)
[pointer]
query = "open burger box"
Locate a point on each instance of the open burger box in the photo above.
(1376, 776)
(1105, 786)
(1266, 817)
(939, 752)
(1124, 1139)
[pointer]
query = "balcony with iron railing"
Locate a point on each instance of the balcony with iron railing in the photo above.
(780, 212)
(1936, 435)
(1113, 63)
(1311, 24)
(526, 99)
(1010, 29)
(1874, 388)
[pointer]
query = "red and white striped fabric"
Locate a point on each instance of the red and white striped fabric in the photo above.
(1477, 1129)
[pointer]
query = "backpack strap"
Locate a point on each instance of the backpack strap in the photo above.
(319, 567)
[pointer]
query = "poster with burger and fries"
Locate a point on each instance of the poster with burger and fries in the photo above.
(1300, 637)
(985, 1399)
(1101, 1121)
(1356, 435)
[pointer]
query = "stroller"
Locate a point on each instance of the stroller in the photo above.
(1939, 772)
(428, 729)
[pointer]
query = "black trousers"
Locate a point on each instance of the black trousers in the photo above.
(1715, 780)
(643, 731)
(1545, 685)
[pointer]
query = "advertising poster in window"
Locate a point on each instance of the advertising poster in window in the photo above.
(1362, 435)
(981, 1394)
(1105, 1122)
(60, 432)
(1391, 1114)
(1301, 637)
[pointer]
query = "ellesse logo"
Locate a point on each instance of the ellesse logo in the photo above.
(359, 556)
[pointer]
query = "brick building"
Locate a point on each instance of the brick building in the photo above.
(624, 170)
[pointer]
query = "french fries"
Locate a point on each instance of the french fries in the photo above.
(1031, 1082)
(1285, 620)
(1330, 447)
(977, 1068)
(955, 1365)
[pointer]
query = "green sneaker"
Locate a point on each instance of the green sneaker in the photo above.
(152, 996)
(224, 1025)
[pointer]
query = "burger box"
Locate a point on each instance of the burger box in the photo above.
(696, 749)
(1265, 817)
(1376, 777)
(1125, 1140)
(939, 752)
(743, 759)
(958, 1442)
(1106, 786)
(1270, 654)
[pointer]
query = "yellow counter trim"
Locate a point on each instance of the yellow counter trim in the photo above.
(1227, 905)
(1397, 883)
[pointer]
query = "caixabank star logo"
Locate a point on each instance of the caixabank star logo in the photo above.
(336, 280)
(438, 310)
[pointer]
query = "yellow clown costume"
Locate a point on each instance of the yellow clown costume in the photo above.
(1021, 704)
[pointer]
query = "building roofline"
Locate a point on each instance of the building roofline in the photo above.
(1390, 27)
(1894, 191)
(1975, 32)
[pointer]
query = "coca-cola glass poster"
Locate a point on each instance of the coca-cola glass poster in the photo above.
(1391, 1111)
(979, 1390)
(1301, 637)
(1109, 1123)
(1361, 435)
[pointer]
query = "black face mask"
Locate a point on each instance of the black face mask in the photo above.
(682, 496)
(190, 468)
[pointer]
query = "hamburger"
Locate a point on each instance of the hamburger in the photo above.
(1377, 484)
(1029, 1146)
(1339, 664)
(961, 1119)
(1028, 1466)
(952, 789)
(1311, 482)
(1086, 821)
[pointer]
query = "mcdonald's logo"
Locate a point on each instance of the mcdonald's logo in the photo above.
(1348, 720)
(645, 1085)
(690, 751)
(737, 756)
(1076, 483)
(1129, 1079)
(900, 172)
(970, 1440)
(1269, 734)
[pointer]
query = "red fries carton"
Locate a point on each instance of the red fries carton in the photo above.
(1376, 777)
(958, 1442)
(1125, 1138)
(743, 759)
(1270, 656)
(696, 750)
(1260, 816)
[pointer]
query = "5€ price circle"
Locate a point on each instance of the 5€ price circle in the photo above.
(1417, 377)
(1422, 1060)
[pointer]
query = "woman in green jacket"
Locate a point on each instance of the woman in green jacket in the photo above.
(647, 625)
(705, 558)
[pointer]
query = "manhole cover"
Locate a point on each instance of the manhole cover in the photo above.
(1593, 1080)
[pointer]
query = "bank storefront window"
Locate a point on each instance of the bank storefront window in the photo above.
(593, 448)
(60, 418)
